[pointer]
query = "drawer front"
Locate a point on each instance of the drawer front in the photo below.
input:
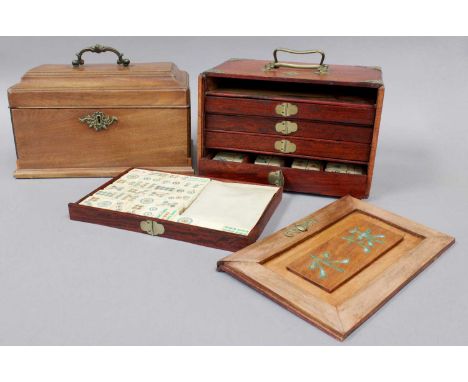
(308, 148)
(347, 113)
(295, 180)
(56, 138)
(289, 127)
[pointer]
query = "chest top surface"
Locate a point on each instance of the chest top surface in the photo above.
(346, 75)
(160, 83)
(97, 76)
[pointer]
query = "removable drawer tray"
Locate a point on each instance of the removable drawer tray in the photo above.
(270, 144)
(295, 180)
(287, 127)
(340, 112)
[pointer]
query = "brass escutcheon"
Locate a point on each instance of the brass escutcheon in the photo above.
(286, 127)
(98, 120)
(286, 109)
(276, 178)
(285, 146)
(151, 227)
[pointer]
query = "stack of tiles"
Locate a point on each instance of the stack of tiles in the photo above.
(344, 168)
(269, 160)
(149, 193)
(229, 156)
(306, 164)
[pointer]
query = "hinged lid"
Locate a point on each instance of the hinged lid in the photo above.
(336, 267)
(322, 73)
(88, 85)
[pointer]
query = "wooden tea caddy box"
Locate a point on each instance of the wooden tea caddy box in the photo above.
(325, 112)
(81, 120)
(231, 241)
(339, 265)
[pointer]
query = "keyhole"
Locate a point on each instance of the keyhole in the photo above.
(99, 119)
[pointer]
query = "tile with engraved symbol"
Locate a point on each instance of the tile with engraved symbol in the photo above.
(334, 262)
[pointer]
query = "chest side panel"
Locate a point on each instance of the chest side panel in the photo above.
(55, 138)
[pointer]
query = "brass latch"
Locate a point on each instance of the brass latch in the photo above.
(299, 227)
(285, 146)
(151, 227)
(286, 127)
(286, 109)
(276, 178)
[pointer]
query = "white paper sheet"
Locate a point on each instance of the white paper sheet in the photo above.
(231, 207)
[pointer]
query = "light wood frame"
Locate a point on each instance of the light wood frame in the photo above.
(338, 313)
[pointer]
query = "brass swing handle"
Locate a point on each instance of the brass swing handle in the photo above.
(276, 64)
(100, 49)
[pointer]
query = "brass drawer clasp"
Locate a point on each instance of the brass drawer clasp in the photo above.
(151, 227)
(276, 178)
(286, 109)
(285, 146)
(286, 127)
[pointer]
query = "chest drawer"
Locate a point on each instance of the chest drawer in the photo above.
(295, 180)
(348, 113)
(287, 127)
(307, 148)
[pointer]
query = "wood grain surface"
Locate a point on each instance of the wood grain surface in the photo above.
(172, 230)
(348, 113)
(343, 75)
(305, 128)
(347, 303)
(151, 104)
(334, 262)
(295, 180)
(338, 117)
(305, 148)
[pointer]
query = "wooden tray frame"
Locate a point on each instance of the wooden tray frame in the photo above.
(173, 230)
(338, 319)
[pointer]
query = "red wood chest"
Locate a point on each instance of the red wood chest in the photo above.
(318, 112)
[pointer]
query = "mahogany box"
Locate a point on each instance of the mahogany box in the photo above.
(329, 113)
(81, 120)
(215, 213)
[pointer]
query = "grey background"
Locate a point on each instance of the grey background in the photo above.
(71, 283)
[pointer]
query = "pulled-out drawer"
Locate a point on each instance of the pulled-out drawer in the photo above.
(294, 128)
(349, 113)
(270, 144)
(295, 180)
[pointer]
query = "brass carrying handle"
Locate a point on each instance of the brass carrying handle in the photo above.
(276, 64)
(100, 49)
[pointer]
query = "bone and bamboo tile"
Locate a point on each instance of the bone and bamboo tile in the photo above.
(269, 160)
(344, 168)
(229, 156)
(306, 164)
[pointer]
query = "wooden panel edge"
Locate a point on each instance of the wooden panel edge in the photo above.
(41, 173)
(266, 215)
(381, 285)
(398, 221)
(232, 269)
(173, 230)
(201, 117)
(277, 242)
(375, 138)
